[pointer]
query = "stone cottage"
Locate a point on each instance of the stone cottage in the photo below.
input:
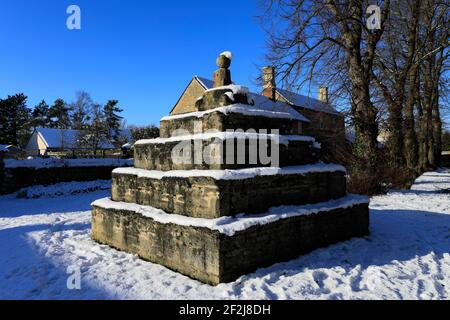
(325, 123)
(45, 140)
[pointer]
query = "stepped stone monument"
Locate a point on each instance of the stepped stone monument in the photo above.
(204, 200)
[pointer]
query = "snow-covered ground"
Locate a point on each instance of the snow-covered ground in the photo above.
(407, 255)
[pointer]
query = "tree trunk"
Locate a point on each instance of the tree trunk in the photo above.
(364, 119)
(437, 131)
(425, 131)
(395, 129)
(410, 136)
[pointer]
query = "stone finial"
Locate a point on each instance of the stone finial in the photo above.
(222, 76)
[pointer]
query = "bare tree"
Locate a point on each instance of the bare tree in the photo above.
(305, 35)
(394, 67)
(434, 55)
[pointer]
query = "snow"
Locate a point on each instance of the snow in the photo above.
(407, 255)
(231, 174)
(68, 138)
(282, 139)
(306, 102)
(55, 163)
(293, 98)
(205, 83)
(268, 110)
(230, 225)
(227, 54)
(235, 89)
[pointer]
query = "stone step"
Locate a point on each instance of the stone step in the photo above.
(216, 193)
(216, 251)
(232, 118)
(220, 150)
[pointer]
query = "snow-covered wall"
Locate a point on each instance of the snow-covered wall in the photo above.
(17, 174)
(58, 163)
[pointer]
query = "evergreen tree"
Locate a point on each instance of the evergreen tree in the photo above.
(4, 122)
(113, 121)
(14, 120)
(59, 114)
(40, 115)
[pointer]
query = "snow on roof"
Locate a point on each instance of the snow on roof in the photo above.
(67, 138)
(293, 98)
(205, 83)
(3, 147)
(299, 100)
(267, 104)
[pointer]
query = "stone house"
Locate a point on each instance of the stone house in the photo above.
(45, 140)
(326, 124)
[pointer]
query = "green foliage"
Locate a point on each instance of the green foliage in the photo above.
(40, 116)
(59, 115)
(15, 118)
(113, 121)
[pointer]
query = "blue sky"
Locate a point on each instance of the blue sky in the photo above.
(142, 53)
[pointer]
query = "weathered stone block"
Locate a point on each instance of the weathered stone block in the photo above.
(214, 257)
(222, 122)
(207, 197)
(162, 156)
(220, 98)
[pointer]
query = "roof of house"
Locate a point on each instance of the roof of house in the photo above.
(299, 100)
(3, 147)
(293, 98)
(206, 83)
(68, 138)
(261, 102)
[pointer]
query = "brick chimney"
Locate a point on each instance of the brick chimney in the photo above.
(323, 94)
(268, 81)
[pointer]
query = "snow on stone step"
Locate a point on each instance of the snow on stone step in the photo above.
(282, 139)
(230, 225)
(232, 174)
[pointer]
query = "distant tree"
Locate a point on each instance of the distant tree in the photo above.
(59, 114)
(14, 120)
(40, 116)
(144, 132)
(81, 109)
(113, 121)
(95, 133)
